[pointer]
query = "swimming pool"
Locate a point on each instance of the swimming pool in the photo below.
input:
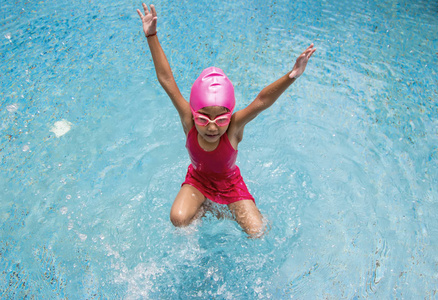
(344, 165)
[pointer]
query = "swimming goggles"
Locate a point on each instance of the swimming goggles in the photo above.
(203, 120)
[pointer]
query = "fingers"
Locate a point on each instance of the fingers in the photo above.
(309, 51)
(154, 12)
(140, 14)
(146, 11)
(145, 7)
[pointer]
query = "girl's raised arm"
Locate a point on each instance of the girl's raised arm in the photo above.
(272, 92)
(162, 67)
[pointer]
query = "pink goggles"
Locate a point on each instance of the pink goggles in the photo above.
(203, 120)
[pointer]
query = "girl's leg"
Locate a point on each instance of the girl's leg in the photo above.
(186, 206)
(248, 216)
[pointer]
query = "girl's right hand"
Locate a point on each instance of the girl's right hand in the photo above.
(149, 20)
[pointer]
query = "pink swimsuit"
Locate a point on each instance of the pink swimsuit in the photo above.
(214, 173)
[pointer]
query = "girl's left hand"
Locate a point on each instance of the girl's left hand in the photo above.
(301, 63)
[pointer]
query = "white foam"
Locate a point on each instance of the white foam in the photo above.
(12, 108)
(61, 127)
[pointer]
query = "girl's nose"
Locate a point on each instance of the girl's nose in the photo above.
(212, 127)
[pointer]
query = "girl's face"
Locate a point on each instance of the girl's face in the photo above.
(211, 132)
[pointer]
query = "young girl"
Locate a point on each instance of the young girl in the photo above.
(213, 133)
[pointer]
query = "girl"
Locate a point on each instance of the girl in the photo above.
(213, 133)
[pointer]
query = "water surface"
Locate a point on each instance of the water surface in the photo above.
(344, 165)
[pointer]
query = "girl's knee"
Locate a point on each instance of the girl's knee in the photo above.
(254, 229)
(179, 219)
(249, 218)
(259, 232)
(186, 206)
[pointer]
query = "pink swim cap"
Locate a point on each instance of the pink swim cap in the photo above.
(212, 88)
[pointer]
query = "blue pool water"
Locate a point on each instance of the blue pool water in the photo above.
(344, 165)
